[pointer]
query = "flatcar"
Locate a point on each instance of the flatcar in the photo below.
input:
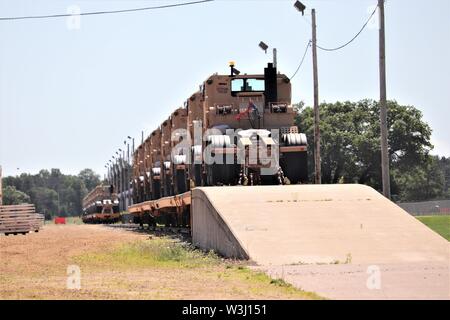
(101, 205)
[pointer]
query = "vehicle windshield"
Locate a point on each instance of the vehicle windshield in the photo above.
(247, 85)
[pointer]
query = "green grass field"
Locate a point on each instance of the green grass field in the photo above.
(440, 224)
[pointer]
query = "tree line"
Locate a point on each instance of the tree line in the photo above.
(53, 193)
(350, 148)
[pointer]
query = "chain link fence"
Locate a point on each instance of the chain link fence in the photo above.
(427, 208)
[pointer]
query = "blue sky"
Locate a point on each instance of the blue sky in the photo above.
(68, 98)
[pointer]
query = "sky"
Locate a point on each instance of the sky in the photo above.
(72, 91)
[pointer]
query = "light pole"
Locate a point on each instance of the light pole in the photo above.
(106, 174)
(317, 160)
(121, 188)
(114, 177)
(109, 171)
(128, 173)
(128, 148)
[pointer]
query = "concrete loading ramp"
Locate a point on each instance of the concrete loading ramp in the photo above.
(307, 224)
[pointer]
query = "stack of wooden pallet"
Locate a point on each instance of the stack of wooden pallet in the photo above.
(20, 219)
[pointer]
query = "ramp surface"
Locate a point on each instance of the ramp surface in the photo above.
(340, 241)
(310, 224)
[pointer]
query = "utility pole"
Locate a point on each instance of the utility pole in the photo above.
(317, 171)
(383, 107)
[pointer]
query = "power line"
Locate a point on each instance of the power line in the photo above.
(303, 59)
(354, 38)
(105, 12)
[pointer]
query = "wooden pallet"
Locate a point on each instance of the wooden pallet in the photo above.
(16, 219)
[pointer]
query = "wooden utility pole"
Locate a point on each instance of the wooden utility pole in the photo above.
(383, 107)
(317, 161)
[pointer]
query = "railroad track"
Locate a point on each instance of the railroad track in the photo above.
(160, 229)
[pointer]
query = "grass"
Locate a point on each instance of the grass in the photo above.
(166, 255)
(161, 252)
(262, 282)
(73, 220)
(440, 224)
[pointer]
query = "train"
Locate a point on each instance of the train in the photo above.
(101, 205)
(237, 129)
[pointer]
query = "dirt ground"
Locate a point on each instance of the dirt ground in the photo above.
(34, 266)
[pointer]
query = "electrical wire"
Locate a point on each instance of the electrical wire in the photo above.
(105, 12)
(353, 39)
(303, 59)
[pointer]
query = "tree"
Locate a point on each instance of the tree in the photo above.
(46, 201)
(54, 181)
(12, 196)
(444, 164)
(422, 183)
(350, 141)
(53, 192)
(90, 178)
(72, 193)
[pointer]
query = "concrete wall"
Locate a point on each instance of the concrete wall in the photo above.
(209, 231)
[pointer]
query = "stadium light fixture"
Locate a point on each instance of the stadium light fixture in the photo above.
(263, 46)
(300, 7)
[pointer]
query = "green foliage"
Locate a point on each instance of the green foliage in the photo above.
(12, 196)
(45, 199)
(444, 164)
(89, 178)
(280, 282)
(423, 183)
(350, 148)
(53, 193)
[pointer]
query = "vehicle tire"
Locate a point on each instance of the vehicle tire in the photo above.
(156, 192)
(295, 166)
(181, 181)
